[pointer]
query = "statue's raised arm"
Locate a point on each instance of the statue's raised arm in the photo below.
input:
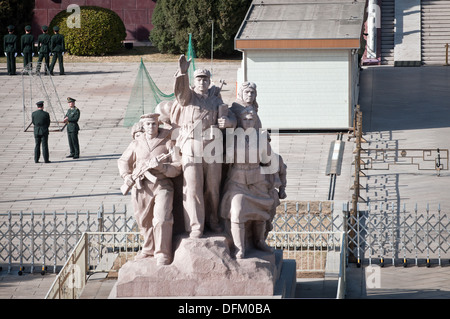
(183, 64)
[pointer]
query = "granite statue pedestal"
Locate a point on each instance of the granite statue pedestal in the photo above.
(204, 267)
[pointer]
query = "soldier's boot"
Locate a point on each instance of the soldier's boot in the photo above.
(162, 233)
(238, 234)
(259, 235)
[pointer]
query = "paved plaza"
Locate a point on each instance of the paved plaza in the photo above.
(404, 107)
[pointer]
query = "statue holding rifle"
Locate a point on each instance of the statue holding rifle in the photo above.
(147, 168)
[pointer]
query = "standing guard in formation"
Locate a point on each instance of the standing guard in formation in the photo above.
(72, 117)
(26, 46)
(41, 122)
(10, 49)
(57, 49)
(43, 49)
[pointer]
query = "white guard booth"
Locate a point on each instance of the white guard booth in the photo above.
(303, 57)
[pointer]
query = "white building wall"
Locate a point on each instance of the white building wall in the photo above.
(300, 89)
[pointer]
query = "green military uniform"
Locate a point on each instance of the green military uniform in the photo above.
(43, 49)
(57, 48)
(26, 46)
(41, 122)
(10, 48)
(72, 117)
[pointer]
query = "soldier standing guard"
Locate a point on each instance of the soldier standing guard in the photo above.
(72, 117)
(57, 48)
(41, 122)
(43, 49)
(10, 48)
(26, 46)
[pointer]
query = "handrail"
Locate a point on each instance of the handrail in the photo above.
(72, 278)
(342, 279)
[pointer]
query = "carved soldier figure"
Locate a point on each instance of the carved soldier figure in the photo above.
(146, 168)
(247, 202)
(195, 112)
(246, 100)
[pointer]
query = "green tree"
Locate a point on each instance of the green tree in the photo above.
(101, 31)
(16, 12)
(173, 20)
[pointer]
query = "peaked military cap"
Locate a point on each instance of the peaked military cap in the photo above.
(44, 27)
(55, 28)
(150, 116)
(40, 104)
(202, 72)
(28, 27)
(69, 99)
(10, 27)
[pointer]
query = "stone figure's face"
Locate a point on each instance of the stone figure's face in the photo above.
(249, 95)
(248, 122)
(201, 84)
(150, 127)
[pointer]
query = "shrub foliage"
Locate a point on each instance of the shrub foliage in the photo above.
(173, 20)
(16, 12)
(101, 31)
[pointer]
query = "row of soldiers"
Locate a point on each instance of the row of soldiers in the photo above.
(46, 45)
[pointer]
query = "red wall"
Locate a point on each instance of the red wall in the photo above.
(135, 14)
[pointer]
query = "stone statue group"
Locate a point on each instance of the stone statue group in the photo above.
(232, 181)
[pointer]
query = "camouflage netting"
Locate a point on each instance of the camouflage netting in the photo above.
(145, 94)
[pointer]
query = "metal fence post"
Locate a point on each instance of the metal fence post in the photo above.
(428, 236)
(43, 241)
(10, 241)
(55, 250)
(32, 241)
(21, 243)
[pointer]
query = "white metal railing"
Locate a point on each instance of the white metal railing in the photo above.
(342, 279)
(72, 278)
(314, 252)
(46, 239)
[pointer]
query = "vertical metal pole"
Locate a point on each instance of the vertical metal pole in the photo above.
(43, 241)
(428, 235)
(10, 236)
(114, 225)
(379, 242)
(358, 237)
(77, 227)
(21, 243)
(439, 233)
(415, 230)
(393, 234)
(124, 227)
(55, 250)
(369, 233)
(88, 226)
(405, 262)
(66, 237)
(32, 241)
